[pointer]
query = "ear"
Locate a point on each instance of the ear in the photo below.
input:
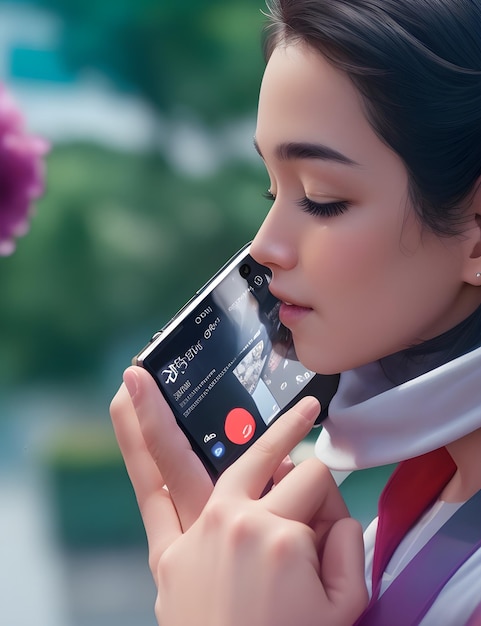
(472, 234)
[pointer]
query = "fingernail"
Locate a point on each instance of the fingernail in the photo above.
(311, 407)
(130, 380)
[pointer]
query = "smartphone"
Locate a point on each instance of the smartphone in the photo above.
(227, 366)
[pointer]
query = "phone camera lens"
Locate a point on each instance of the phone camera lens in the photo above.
(245, 270)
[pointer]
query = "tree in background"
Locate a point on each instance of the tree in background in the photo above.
(123, 240)
(200, 55)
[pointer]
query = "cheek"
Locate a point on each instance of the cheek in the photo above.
(349, 261)
(359, 312)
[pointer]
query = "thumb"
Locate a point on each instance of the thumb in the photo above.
(186, 478)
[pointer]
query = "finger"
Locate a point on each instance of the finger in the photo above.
(186, 478)
(253, 470)
(158, 512)
(307, 494)
(284, 468)
(342, 568)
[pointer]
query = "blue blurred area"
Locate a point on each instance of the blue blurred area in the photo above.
(46, 577)
(133, 185)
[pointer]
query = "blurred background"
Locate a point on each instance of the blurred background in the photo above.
(152, 184)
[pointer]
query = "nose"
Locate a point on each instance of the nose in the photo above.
(274, 244)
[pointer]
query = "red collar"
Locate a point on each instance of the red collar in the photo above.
(414, 485)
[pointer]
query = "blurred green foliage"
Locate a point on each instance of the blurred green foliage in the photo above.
(203, 56)
(122, 239)
(84, 465)
(119, 242)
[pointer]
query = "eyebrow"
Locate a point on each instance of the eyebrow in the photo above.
(305, 150)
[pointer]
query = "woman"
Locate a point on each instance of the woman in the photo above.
(369, 125)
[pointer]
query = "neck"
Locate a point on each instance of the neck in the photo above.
(466, 453)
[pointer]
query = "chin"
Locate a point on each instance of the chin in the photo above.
(317, 361)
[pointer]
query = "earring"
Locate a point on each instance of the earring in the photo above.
(478, 274)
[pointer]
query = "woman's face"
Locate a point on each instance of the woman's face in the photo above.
(359, 276)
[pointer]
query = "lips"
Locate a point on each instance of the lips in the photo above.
(286, 301)
(291, 313)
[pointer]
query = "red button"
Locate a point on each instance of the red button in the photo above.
(240, 426)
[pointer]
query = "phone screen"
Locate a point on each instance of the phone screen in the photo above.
(227, 366)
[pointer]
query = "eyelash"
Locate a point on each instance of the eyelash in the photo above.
(326, 209)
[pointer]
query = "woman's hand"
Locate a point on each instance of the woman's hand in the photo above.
(226, 556)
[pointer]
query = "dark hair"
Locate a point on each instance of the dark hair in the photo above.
(417, 64)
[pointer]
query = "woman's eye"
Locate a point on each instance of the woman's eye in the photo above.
(269, 195)
(324, 209)
(317, 209)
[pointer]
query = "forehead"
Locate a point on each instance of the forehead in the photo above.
(304, 98)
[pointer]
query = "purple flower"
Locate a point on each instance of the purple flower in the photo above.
(21, 173)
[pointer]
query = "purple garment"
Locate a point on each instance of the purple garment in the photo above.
(475, 619)
(410, 596)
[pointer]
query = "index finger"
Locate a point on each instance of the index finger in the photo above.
(254, 469)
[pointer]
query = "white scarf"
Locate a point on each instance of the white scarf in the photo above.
(371, 422)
